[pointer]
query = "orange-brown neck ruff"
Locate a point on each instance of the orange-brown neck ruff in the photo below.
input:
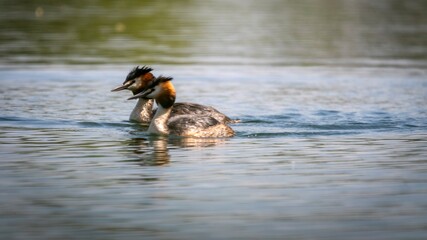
(167, 96)
(147, 78)
(142, 82)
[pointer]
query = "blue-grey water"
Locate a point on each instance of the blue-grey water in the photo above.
(331, 95)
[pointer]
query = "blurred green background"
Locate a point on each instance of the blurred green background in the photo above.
(270, 32)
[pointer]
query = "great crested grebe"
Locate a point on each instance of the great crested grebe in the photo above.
(139, 78)
(188, 125)
(136, 81)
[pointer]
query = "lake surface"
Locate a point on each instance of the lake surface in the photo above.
(331, 95)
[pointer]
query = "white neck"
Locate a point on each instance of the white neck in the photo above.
(142, 112)
(158, 124)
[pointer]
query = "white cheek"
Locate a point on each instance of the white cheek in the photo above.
(132, 87)
(155, 93)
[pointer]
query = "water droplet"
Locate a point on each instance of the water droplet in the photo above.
(39, 12)
(120, 27)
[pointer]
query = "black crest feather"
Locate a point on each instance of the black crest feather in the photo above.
(137, 71)
(158, 80)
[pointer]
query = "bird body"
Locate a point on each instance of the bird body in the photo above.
(187, 125)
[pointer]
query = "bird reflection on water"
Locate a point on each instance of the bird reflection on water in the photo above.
(154, 150)
(147, 152)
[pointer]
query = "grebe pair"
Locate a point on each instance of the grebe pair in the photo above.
(182, 119)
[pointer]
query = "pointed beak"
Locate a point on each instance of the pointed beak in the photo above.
(142, 94)
(122, 87)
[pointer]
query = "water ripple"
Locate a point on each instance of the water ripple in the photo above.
(334, 149)
(326, 123)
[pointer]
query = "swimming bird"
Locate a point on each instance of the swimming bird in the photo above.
(187, 125)
(138, 79)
